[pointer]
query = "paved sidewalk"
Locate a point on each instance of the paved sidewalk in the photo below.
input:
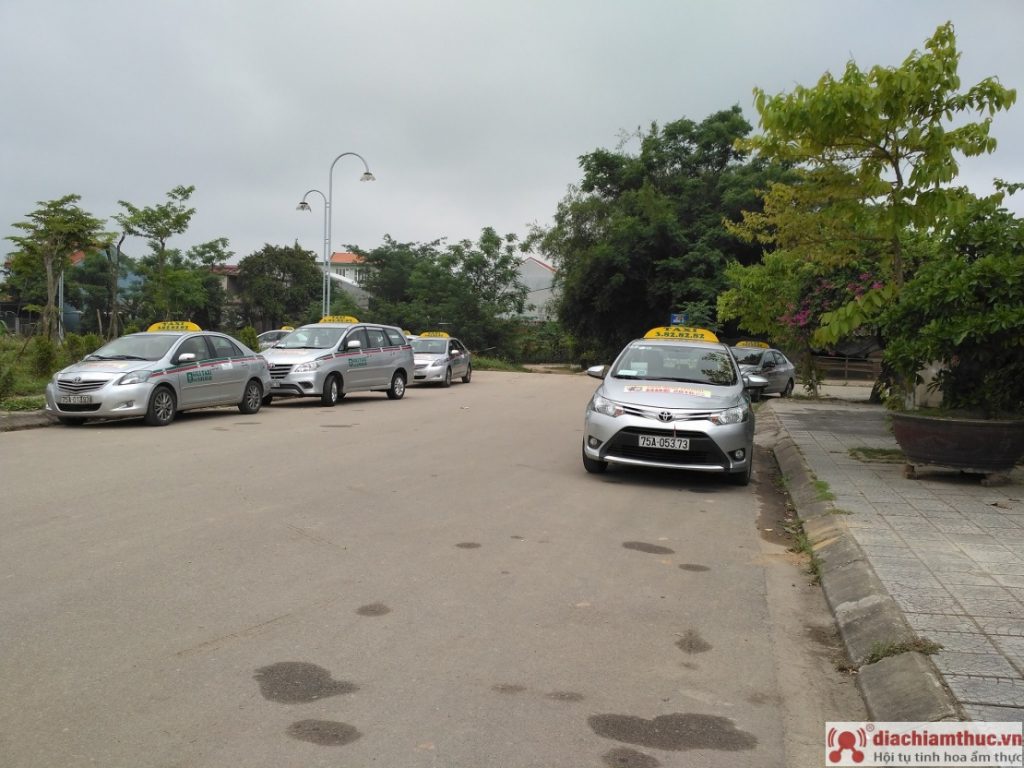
(948, 551)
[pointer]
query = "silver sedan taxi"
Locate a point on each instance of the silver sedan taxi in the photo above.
(758, 358)
(440, 358)
(674, 399)
(172, 367)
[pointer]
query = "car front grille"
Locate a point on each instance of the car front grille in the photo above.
(78, 407)
(703, 450)
(280, 371)
(77, 387)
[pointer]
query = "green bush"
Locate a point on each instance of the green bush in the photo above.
(249, 337)
(76, 347)
(44, 356)
(6, 380)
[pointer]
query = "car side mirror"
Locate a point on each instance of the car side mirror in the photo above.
(186, 357)
(768, 365)
(600, 371)
(354, 344)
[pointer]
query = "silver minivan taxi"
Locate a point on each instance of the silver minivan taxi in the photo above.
(156, 374)
(336, 356)
(674, 399)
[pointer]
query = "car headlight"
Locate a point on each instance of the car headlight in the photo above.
(437, 363)
(135, 377)
(605, 406)
(312, 365)
(731, 415)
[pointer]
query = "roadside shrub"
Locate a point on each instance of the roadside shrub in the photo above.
(76, 347)
(249, 337)
(6, 380)
(44, 356)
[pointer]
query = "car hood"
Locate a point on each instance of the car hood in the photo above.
(279, 356)
(428, 358)
(671, 394)
(109, 367)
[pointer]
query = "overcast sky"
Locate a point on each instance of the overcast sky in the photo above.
(470, 113)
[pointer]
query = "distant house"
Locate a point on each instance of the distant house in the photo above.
(539, 279)
(348, 272)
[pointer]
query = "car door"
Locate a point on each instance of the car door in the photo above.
(354, 369)
(230, 373)
(379, 365)
(459, 358)
(195, 376)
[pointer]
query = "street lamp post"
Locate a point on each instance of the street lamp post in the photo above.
(328, 200)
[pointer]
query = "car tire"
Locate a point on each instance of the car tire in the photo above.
(788, 389)
(743, 478)
(332, 391)
(397, 389)
(252, 397)
(447, 378)
(162, 408)
(71, 421)
(469, 374)
(593, 466)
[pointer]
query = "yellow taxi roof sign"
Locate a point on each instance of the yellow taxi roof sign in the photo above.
(758, 344)
(174, 325)
(338, 319)
(680, 332)
(287, 328)
(435, 334)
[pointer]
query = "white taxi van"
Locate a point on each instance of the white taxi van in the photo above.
(339, 355)
(173, 366)
(674, 399)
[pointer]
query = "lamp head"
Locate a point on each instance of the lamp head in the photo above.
(303, 206)
(367, 177)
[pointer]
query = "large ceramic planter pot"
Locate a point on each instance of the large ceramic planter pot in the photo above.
(989, 447)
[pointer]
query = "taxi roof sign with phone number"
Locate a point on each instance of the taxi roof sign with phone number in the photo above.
(681, 332)
(758, 344)
(435, 334)
(338, 319)
(173, 325)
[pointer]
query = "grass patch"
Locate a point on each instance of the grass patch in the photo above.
(878, 455)
(881, 651)
(802, 545)
(822, 492)
(839, 512)
(24, 403)
(481, 363)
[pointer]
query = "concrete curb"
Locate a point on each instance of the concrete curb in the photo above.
(904, 687)
(11, 421)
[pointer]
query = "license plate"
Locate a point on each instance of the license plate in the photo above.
(75, 400)
(669, 443)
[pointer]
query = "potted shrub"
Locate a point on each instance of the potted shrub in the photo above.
(962, 315)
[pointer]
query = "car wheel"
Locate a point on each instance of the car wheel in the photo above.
(397, 389)
(743, 478)
(788, 390)
(252, 398)
(593, 466)
(469, 374)
(447, 378)
(332, 392)
(71, 421)
(162, 407)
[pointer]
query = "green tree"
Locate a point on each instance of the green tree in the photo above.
(878, 151)
(643, 235)
(54, 231)
(278, 285)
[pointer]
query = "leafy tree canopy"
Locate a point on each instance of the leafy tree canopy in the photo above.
(642, 235)
(279, 283)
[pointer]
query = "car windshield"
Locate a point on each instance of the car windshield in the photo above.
(429, 346)
(747, 356)
(311, 338)
(138, 346)
(667, 362)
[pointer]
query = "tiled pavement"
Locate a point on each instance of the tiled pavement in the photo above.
(949, 550)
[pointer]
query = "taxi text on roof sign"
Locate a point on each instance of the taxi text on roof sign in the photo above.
(680, 332)
(758, 344)
(174, 325)
(437, 334)
(338, 319)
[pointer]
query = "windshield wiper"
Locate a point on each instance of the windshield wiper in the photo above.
(122, 357)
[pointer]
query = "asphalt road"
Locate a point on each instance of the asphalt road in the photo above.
(429, 582)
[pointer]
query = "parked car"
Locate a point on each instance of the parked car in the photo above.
(771, 364)
(440, 358)
(336, 356)
(268, 339)
(154, 375)
(675, 399)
